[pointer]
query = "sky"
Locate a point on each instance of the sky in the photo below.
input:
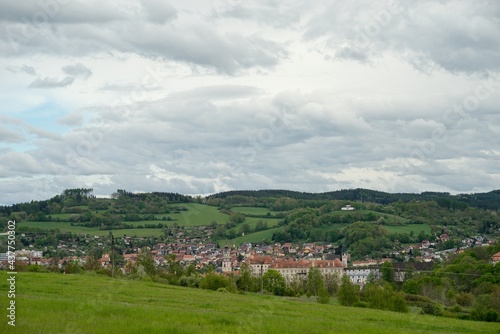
(199, 97)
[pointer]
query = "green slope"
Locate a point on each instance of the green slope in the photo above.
(56, 303)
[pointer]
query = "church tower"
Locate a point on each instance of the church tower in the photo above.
(226, 260)
(345, 257)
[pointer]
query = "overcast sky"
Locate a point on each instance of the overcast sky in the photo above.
(198, 97)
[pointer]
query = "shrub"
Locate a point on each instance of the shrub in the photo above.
(464, 299)
(36, 268)
(360, 304)
(348, 292)
(323, 297)
(213, 281)
(432, 309)
(397, 303)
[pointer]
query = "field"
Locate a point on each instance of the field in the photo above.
(56, 303)
(271, 222)
(197, 215)
(256, 237)
(251, 210)
(416, 228)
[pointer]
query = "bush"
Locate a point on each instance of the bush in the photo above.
(360, 304)
(213, 281)
(36, 268)
(417, 300)
(103, 271)
(397, 303)
(323, 297)
(432, 309)
(464, 299)
(190, 281)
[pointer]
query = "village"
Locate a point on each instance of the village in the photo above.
(290, 260)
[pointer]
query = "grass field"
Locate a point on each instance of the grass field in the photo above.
(271, 222)
(416, 228)
(197, 215)
(251, 210)
(56, 303)
(256, 237)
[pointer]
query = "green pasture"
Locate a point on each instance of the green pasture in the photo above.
(252, 221)
(57, 303)
(251, 210)
(198, 215)
(416, 228)
(256, 237)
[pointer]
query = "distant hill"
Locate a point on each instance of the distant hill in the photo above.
(489, 200)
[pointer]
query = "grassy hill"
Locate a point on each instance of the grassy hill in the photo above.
(56, 303)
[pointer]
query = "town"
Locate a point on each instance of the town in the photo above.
(289, 259)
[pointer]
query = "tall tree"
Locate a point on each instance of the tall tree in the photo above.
(348, 292)
(274, 282)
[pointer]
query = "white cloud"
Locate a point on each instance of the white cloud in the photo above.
(197, 97)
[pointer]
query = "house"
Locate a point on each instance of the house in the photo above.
(291, 268)
(359, 276)
(105, 260)
(444, 237)
(495, 258)
(425, 244)
(347, 208)
(259, 265)
(366, 263)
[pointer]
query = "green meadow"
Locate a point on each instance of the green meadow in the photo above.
(57, 303)
(251, 210)
(256, 237)
(198, 215)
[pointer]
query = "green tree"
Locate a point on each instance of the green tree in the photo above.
(388, 272)
(145, 259)
(410, 287)
(315, 282)
(244, 281)
(73, 267)
(348, 292)
(175, 270)
(245, 228)
(92, 263)
(332, 284)
(274, 282)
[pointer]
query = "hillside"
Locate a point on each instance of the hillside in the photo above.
(489, 200)
(258, 216)
(56, 303)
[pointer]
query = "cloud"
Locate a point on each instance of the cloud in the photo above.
(51, 82)
(159, 11)
(188, 39)
(9, 136)
(77, 70)
(198, 97)
(423, 33)
(72, 119)
(23, 69)
(71, 12)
